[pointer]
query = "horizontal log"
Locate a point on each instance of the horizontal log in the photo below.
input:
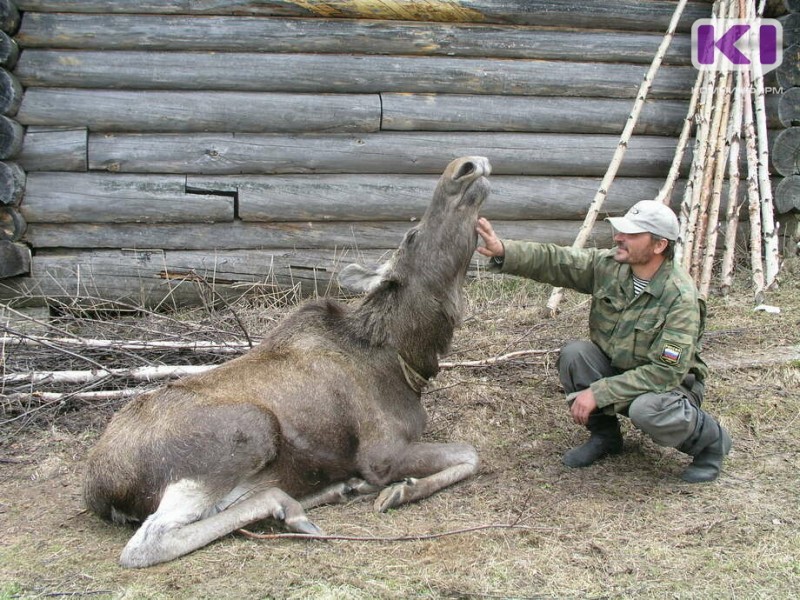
(454, 112)
(338, 36)
(9, 51)
(406, 197)
(104, 198)
(10, 93)
(338, 73)
(787, 195)
(785, 153)
(55, 149)
(11, 137)
(15, 259)
(121, 198)
(253, 112)
(118, 198)
(510, 154)
(287, 236)
(9, 16)
(12, 183)
(166, 279)
(789, 107)
(648, 15)
(788, 73)
(256, 112)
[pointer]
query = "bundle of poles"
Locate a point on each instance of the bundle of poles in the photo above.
(726, 111)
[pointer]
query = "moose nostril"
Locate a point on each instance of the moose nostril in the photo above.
(466, 169)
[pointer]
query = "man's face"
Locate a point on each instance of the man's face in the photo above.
(634, 248)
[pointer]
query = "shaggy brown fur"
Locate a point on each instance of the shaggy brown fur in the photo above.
(319, 410)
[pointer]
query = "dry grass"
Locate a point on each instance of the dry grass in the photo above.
(625, 528)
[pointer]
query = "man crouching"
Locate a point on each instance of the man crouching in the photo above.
(646, 322)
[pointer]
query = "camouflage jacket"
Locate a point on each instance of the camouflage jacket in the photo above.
(653, 339)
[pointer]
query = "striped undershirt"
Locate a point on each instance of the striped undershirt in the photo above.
(639, 284)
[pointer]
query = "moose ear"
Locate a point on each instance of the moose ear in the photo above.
(359, 279)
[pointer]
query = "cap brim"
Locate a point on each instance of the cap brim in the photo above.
(623, 225)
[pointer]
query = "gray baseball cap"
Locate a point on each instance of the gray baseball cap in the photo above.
(648, 216)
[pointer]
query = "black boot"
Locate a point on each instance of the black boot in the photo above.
(605, 439)
(709, 444)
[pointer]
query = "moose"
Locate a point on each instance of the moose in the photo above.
(325, 408)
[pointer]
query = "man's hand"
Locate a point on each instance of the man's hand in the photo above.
(492, 246)
(583, 405)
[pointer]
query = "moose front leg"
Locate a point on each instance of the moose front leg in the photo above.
(339, 493)
(425, 469)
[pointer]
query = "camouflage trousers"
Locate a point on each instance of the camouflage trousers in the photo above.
(669, 418)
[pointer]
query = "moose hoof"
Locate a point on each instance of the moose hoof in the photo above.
(303, 525)
(394, 495)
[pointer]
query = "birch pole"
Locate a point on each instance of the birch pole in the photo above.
(665, 193)
(716, 139)
(692, 196)
(712, 221)
(732, 213)
(771, 256)
(602, 192)
(753, 198)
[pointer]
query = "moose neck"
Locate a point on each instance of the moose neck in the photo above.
(417, 324)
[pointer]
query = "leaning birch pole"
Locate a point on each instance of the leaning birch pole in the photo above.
(706, 261)
(771, 255)
(714, 151)
(665, 193)
(753, 198)
(602, 192)
(690, 205)
(732, 212)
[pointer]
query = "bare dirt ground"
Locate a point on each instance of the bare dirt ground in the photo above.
(627, 527)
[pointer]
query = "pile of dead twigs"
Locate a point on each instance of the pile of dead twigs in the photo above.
(56, 364)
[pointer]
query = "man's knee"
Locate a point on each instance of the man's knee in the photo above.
(580, 363)
(667, 418)
(645, 409)
(574, 350)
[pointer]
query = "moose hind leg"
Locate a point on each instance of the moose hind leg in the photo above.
(182, 523)
(425, 469)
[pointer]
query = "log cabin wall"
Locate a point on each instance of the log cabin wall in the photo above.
(150, 144)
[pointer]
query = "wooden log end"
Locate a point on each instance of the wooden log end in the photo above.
(10, 93)
(788, 73)
(12, 183)
(791, 29)
(11, 136)
(789, 107)
(15, 259)
(9, 16)
(786, 152)
(9, 51)
(12, 224)
(787, 195)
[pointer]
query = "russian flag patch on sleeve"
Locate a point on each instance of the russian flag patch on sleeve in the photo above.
(671, 354)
